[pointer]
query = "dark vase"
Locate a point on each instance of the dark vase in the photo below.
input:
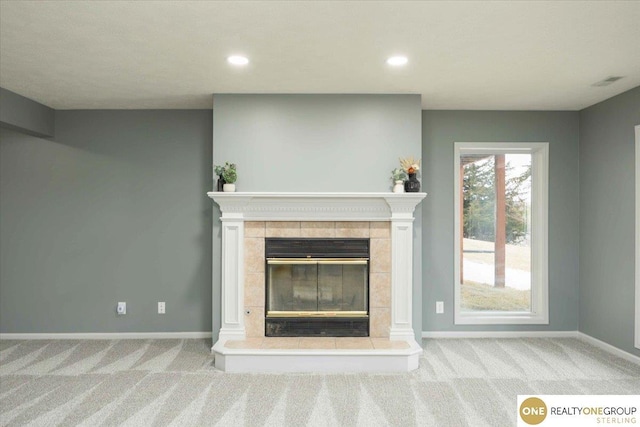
(221, 183)
(412, 185)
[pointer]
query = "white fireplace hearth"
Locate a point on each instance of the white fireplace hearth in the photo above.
(248, 218)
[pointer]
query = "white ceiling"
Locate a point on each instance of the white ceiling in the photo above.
(462, 55)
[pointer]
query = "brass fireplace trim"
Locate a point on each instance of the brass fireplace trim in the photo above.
(340, 261)
(360, 314)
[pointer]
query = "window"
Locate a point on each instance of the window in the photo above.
(501, 233)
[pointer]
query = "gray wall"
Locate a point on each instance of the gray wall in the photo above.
(114, 209)
(440, 129)
(607, 220)
(25, 115)
(315, 142)
(318, 143)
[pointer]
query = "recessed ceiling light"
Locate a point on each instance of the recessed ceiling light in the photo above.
(397, 61)
(238, 60)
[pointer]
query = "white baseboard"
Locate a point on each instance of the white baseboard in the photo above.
(499, 334)
(105, 336)
(608, 348)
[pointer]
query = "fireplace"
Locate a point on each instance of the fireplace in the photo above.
(249, 220)
(317, 287)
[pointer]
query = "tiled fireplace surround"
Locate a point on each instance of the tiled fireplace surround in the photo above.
(379, 234)
(248, 218)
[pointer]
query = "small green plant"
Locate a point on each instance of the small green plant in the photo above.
(398, 174)
(229, 173)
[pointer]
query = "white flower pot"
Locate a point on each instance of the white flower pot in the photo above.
(229, 188)
(398, 187)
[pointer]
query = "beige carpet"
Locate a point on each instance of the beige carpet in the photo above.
(460, 382)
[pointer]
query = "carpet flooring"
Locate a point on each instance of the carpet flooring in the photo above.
(460, 382)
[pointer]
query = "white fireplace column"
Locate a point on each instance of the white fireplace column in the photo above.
(237, 208)
(232, 293)
(401, 268)
(232, 268)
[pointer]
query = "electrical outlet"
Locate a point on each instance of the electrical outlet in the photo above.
(161, 307)
(121, 308)
(439, 307)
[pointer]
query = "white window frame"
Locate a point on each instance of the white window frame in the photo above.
(637, 321)
(539, 313)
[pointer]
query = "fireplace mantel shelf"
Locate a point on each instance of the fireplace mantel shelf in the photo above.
(313, 194)
(316, 206)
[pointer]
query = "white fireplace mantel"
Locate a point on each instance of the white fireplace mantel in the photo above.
(317, 206)
(236, 208)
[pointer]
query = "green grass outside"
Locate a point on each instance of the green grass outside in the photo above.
(480, 297)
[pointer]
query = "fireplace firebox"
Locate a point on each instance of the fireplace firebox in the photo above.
(317, 287)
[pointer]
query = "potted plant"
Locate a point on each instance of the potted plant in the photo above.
(230, 176)
(398, 176)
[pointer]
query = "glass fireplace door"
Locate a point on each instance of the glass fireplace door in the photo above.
(310, 287)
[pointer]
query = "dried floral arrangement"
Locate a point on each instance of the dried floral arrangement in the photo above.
(410, 165)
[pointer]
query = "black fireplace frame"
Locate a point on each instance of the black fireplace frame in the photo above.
(331, 325)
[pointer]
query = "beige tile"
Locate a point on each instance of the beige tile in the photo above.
(254, 322)
(317, 229)
(282, 229)
(317, 343)
(380, 290)
(385, 344)
(254, 289)
(352, 229)
(354, 343)
(379, 322)
(380, 230)
(381, 255)
(253, 255)
(280, 343)
(254, 229)
(249, 343)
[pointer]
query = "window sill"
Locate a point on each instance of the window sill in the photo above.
(498, 318)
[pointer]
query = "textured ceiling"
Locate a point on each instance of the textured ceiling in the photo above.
(462, 55)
